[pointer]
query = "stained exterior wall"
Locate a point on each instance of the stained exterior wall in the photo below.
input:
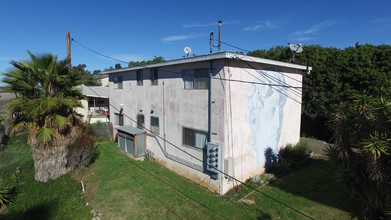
(246, 118)
(258, 116)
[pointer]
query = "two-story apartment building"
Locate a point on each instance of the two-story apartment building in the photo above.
(243, 104)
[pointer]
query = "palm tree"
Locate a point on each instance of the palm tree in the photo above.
(46, 100)
(362, 137)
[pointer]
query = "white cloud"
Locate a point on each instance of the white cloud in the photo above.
(181, 37)
(316, 28)
(198, 25)
(128, 57)
(211, 24)
(382, 20)
(260, 26)
(302, 39)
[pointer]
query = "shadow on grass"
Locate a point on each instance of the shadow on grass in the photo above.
(319, 180)
(42, 212)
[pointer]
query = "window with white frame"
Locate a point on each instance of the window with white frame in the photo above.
(140, 121)
(194, 138)
(140, 77)
(117, 80)
(155, 124)
(154, 77)
(196, 78)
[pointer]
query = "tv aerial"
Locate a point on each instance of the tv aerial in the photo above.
(296, 49)
(187, 51)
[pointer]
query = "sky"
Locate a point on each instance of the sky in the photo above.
(140, 30)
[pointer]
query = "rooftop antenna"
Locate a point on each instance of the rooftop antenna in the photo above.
(211, 37)
(187, 51)
(295, 48)
(219, 42)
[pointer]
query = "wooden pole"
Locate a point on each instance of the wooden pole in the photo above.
(68, 38)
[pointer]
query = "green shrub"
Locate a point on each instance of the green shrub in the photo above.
(331, 152)
(5, 196)
(293, 153)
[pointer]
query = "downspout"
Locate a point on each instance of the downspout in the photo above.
(164, 119)
(210, 102)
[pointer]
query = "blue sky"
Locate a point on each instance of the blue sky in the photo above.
(138, 30)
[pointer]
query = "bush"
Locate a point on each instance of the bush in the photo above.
(293, 153)
(5, 196)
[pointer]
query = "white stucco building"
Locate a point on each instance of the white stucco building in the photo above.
(246, 106)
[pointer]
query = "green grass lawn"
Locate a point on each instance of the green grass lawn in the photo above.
(121, 188)
(118, 187)
(56, 199)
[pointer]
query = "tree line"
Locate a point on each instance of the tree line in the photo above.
(347, 100)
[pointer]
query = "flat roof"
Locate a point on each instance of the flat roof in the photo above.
(130, 130)
(95, 91)
(214, 56)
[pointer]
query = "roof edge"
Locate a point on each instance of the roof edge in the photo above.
(215, 56)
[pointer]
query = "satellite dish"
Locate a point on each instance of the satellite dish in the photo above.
(296, 48)
(187, 51)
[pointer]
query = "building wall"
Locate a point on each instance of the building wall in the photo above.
(258, 117)
(104, 81)
(247, 118)
(176, 108)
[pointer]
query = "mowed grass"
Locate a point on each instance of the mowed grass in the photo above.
(118, 187)
(56, 199)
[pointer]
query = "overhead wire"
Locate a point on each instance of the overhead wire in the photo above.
(196, 158)
(85, 47)
(268, 77)
(279, 91)
(253, 60)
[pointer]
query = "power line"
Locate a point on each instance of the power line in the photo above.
(271, 78)
(234, 46)
(73, 40)
(220, 171)
(257, 83)
(251, 59)
(282, 93)
(170, 71)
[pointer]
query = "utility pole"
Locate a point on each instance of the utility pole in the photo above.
(219, 43)
(211, 37)
(68, 38)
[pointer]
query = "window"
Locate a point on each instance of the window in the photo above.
(117, 80)
(140, 121)
(119, 119)
(196, 79)
(140, 77)
(155, 125)
(194, 138)
(154, 77)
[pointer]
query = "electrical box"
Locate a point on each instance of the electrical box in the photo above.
(213, 159)
(132, 140)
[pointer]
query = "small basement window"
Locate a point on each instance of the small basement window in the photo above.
(155, 125)
(140, 121)
(194, 138)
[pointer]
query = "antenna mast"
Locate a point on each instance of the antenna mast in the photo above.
(219, 43)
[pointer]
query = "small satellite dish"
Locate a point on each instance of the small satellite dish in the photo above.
(187, 51)
(296, 48)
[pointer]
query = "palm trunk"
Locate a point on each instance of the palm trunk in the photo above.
(62, 154)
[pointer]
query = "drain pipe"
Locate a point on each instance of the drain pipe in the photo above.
(210, 102)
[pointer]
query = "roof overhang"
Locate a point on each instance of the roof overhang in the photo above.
(215, 56)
